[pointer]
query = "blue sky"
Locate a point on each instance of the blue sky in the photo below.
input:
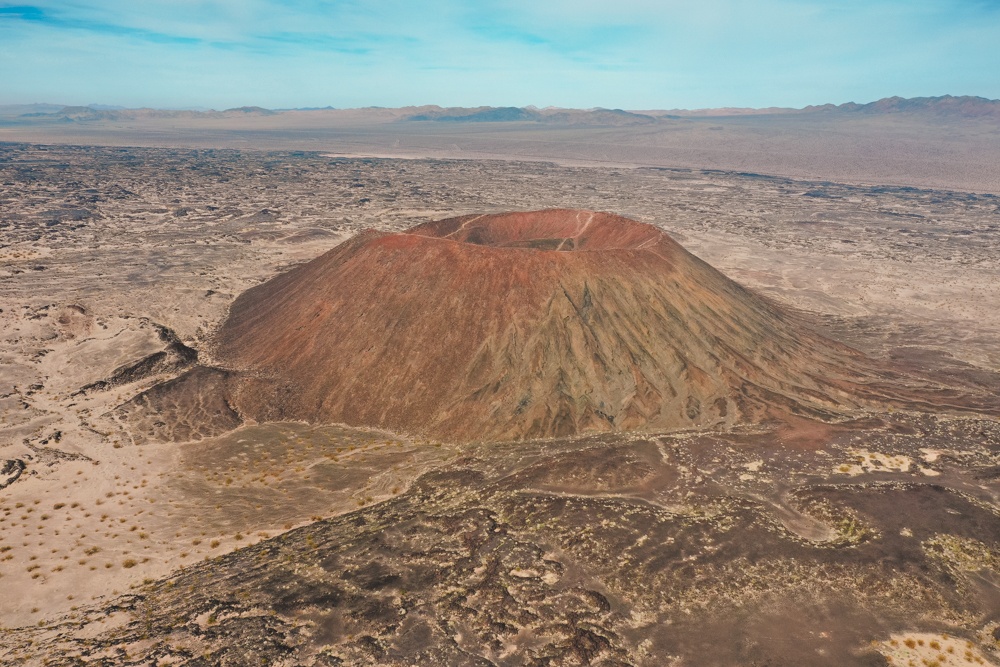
(633, 54)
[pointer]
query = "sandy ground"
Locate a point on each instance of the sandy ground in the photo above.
(932, 650)
(899, 149)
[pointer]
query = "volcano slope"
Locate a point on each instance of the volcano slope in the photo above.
(518, 326)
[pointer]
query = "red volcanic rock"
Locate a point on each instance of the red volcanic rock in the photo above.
(523, 325)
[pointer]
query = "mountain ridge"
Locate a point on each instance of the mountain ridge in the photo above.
(946, 106)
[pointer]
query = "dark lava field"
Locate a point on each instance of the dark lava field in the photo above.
(854, 522)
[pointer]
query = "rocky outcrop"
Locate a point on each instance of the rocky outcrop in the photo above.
(10, 471)
(176, 356)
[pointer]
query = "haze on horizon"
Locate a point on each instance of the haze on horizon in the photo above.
(636, 54)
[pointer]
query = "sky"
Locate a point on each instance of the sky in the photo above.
(630, 54)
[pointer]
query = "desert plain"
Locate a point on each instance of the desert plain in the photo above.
(866, 535)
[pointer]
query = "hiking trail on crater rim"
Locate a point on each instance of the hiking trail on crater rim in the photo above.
(515, 326)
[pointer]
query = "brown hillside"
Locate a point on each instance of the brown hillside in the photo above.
(523, 325)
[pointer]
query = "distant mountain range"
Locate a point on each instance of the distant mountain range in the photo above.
(945, 106)
(53, 112)
(531, 114)
(964, 106)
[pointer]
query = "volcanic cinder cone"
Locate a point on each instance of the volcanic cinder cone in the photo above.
(523, 325)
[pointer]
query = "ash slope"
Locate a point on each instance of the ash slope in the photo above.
(525, 325)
